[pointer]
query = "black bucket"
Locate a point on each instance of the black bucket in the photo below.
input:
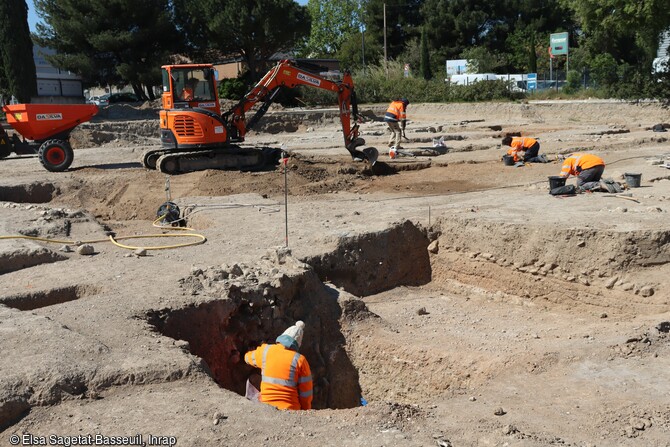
(508, 160)
(633, 180)
(556, 181)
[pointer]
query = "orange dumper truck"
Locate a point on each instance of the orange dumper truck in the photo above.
(44, 130)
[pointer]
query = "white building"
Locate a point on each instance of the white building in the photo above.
(663, 53)
(55, 85)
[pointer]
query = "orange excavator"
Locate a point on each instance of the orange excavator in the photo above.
(195, 135)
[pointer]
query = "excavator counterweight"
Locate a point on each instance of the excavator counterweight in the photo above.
(195, 135)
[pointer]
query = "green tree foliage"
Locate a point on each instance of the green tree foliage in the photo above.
(620, 38)
(482, 60)
(509, 29)
(351, 52)
(17, 67)
(333, 23)
(109, 41)
(403, 22)
(253, 29)
(626, 29)
(424, 67)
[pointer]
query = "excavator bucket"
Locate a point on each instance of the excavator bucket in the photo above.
(369, 153)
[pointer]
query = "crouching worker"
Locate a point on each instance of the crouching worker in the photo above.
(524, 149)
(286, 380)
(588, 168)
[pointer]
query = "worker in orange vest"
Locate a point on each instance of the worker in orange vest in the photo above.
(524, 149)
(588, 168)
(286, 380)
(188, 92)
(396, 118)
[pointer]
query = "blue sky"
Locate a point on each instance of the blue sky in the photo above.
(33, 19)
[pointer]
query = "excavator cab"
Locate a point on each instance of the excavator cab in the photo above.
(189, 86)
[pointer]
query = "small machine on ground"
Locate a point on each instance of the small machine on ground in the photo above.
(45, 131)
(195, 135)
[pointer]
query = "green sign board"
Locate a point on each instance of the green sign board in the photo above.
(559, 43)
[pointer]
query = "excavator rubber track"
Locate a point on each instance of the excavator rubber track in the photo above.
(150, 157)
(229, 158)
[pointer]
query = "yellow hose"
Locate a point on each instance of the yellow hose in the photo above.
(113, 240)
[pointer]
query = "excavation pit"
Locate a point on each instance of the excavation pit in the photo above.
(242, 314)
(44, 298)
(17, 259)
(36, 192)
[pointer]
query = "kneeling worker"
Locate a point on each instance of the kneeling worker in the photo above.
(587, 167)
(524, 149)
(286, 380)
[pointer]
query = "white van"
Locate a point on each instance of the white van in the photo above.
(467, 79)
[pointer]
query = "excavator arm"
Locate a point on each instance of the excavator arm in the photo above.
(288, 74)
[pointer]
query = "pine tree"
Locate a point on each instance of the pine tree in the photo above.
(17, 66)
(252, 29)
(109, 42)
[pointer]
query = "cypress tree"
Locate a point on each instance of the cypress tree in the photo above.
(425, 59)
(17, 67)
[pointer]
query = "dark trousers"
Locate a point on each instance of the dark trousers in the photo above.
(531, 152)
(590, 175)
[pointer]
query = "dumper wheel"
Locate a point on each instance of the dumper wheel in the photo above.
(5, 145)
(56, 155)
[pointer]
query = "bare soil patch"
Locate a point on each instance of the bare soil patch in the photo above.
(449, 299)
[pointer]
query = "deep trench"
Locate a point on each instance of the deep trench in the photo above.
(242, 318)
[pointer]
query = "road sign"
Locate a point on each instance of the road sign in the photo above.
(558, 43)
(531, 81)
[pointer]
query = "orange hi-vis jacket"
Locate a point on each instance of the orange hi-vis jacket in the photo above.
(522, 143)
(577, 163)
(187, 94)
(286, 380)
(519, 145)
(395, 112)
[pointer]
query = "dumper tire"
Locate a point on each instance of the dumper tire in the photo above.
(5, 144)
(56, 155)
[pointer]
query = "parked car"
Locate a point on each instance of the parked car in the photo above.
(123, 97)
(99, 100)
(113, 98)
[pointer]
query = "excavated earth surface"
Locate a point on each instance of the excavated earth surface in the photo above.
(449, 300)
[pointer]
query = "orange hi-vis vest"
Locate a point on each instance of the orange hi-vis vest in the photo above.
(577, 163)
(395, 112)
(522, 143)
(187, 94)
(286, 380)
(519, 145)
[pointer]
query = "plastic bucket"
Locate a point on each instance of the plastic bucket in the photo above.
(633, 180)
(508, 160)
(556, 181)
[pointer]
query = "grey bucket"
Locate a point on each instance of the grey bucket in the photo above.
(508, 160)
(633, 180)
(556, 181)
